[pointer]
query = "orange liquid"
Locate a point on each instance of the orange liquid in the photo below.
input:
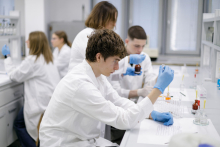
(167, 98)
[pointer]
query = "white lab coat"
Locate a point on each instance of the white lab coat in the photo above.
(40, 80)
(78, 54)
(61, 59)
(127, 83)
(78, 105)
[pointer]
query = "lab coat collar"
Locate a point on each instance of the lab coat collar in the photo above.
(90, 73)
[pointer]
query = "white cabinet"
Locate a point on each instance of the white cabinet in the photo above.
(11, 101)
(3, 127)
(12, 111)
(9, 94)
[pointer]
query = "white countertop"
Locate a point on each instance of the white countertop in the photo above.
(4, 78)
(212, 104)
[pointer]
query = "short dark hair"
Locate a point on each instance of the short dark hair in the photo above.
(101, 14)
(137, 32)
(107, 43)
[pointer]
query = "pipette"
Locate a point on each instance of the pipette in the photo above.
(204, 103)
(196, 94)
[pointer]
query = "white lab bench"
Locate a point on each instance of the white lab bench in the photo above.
(212, 106)
(11, 100)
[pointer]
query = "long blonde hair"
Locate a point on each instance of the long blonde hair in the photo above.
(39, 45)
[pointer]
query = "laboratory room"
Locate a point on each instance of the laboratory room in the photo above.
(128, 73)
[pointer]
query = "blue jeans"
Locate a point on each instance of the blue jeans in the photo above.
(19, 125)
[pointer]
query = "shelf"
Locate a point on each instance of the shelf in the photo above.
(217, 18)
(8, 37)
(209, 20)
(211, 45)
(9, 17)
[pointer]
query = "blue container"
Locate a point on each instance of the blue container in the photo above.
(218, 83)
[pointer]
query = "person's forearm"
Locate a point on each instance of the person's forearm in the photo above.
(132, 94)
(128, 59)
(155, 93)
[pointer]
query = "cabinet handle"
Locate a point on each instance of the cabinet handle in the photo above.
(2, 116)
(18, 94)
(12, 110)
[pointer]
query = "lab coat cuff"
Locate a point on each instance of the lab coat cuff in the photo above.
(147, 106)
(125, 93)
(8, 61)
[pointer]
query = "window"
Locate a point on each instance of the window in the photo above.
(183, 26)
(145, 13)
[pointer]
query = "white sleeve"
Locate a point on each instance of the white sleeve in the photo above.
(76, 55)
(117, 75)
(21, 73)
(118, 112)
(122, 92)
(149, 75)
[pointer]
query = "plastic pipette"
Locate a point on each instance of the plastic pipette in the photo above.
(204, 104)
(196, 94)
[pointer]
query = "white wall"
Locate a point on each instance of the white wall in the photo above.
(68, 10)
(34, 17)
(37, 14)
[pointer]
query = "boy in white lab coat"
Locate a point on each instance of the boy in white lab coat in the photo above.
(134, 86)
(84, 99)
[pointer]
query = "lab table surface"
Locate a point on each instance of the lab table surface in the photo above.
(212, 103)
(4, 78)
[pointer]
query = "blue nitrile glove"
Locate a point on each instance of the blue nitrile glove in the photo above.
(130, 71)
(205, 145)
(166, 117)
(136, 58)
(5, 50)
(165, 77)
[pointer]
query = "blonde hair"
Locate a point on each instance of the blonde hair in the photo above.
(101, 14)
(39, 45)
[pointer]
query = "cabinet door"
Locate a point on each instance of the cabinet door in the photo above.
(3, 127)
(11, 94)
(12, 112)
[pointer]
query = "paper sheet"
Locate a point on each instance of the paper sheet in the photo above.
(152, 132)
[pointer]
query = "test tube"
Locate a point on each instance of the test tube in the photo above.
(163, 65)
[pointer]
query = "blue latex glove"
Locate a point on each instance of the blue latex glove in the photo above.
(5, 50)
(130, 71)
(136, 58)
(165, 77)
(166, 118)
